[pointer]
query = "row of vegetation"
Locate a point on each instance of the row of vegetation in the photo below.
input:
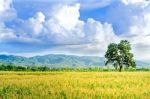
(11, 67)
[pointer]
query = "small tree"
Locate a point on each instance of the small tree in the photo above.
(119, 55)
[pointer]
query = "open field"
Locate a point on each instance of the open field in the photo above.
(75, 85)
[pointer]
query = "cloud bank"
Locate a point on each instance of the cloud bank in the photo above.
(60, 29)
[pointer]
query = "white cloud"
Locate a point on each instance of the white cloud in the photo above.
(94, 4)
(79, 36)
(66, 32)
(97, 37)
(6, 33)
(7, 13)
(64, 26)
(67, 16)
(98, 32)
(141, 25)
(5, 5)
(85, 4)
(141, 3)
(34, 26)
(139, 34)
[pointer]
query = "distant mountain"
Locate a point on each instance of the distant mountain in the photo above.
(142, 63)
(54, 60)
(58, 61)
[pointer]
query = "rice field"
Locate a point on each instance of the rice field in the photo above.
(75, 85)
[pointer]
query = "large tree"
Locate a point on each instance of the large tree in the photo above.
(119, 55)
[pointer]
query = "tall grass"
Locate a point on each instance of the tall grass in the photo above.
(75, 85)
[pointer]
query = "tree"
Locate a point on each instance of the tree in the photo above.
(119, 55)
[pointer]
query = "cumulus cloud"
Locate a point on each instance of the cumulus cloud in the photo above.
(33, 26)
(7, 13)
(139, 35)
(64, 31)
(141, 25)
(138, 30)
(67, 16)
(96, 38)
(82, 37)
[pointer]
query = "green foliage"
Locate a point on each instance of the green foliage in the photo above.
(11, 67)
(119, 55)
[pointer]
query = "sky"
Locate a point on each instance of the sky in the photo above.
(76, 27)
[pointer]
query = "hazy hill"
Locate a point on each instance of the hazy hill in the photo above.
(58, 60)
(54, 60)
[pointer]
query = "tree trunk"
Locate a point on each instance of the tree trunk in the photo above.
(120, 69)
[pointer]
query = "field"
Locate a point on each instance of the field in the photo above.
(75, 85)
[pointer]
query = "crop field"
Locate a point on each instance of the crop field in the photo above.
(75, 85)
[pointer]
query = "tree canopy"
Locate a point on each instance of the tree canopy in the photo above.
(120, 55)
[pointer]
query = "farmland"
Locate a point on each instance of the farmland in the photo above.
(75, 85)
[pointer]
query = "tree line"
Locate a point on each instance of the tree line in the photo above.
(12, 67)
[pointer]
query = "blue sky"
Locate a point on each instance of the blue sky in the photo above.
(78, 27)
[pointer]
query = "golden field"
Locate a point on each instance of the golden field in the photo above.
(75, 85)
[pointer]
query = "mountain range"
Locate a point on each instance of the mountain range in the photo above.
(59, 60)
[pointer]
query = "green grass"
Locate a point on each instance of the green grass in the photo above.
(75, 85)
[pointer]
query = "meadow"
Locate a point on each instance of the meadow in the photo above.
(74, 85)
